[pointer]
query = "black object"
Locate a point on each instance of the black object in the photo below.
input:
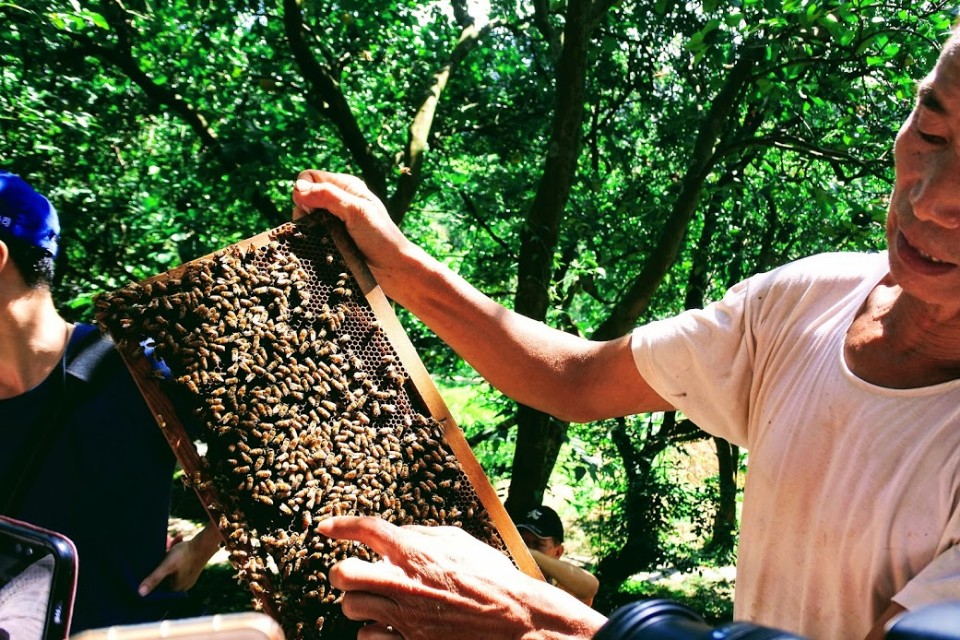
(40, 563)
(543, 522)
(667, 620)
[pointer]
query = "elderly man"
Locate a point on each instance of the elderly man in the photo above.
(838, 372)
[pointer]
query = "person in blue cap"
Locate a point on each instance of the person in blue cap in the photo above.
(80, 452)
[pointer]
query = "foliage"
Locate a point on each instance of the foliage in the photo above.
(591, 163)
(485, 419)
(711, 598)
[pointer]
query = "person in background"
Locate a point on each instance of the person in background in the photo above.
(839, 373)
(542, 531)
(80, 452)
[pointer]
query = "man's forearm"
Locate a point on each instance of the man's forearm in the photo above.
(571, 578)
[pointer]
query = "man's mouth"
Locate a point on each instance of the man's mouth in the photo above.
(919, 260)
(930, 257)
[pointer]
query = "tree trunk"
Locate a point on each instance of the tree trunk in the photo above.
(531, 471)
(725, 521)
(324, 93)
(643, 507)
(538, 435)
(637, 298)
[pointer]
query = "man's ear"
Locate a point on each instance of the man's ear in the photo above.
(558, 550)
(4, 255)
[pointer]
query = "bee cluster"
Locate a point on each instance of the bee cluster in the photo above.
(305, 409)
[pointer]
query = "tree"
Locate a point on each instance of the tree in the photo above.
(574, 159)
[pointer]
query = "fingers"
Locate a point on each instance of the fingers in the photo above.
(340, 194)
(354, 574)
(349, 183)
(413, 544)
(362, 605)
(376, 631)
(384, 538)
(174, 540)
(365, 217)
(378, 534)
(157, 576)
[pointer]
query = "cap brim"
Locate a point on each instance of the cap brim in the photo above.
(523, 527)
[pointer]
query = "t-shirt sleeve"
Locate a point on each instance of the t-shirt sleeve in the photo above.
(701, 361)
(710, 363)
(939, 581)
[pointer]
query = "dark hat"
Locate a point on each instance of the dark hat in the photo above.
(543, 522)
(27, 215)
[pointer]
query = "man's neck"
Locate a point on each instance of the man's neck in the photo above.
(897, 342)
(33, 338)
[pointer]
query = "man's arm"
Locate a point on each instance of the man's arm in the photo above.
(558, 373)
(184, 562)
(578, 582)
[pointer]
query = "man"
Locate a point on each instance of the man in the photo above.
(81, 453)
(542, 531)
(839, 373)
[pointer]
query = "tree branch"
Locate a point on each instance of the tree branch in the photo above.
(472, 210)
(540, 233)
(836, 158)
(541, 19)
(324, 94)
(417, 141)
(702, 158)
(121, 57)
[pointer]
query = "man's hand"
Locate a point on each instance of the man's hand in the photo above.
(184, 562)
(432, 580)
(366, 219)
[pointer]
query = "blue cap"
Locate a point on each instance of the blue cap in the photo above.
(27, 215)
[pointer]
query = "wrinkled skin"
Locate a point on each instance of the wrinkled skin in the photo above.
(436, 581)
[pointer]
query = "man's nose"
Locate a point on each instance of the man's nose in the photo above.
(936, 196)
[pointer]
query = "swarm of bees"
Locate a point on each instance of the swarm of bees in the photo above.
(305, 409)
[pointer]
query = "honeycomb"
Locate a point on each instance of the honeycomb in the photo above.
(270, 349)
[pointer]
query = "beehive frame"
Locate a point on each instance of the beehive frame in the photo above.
(312, 402)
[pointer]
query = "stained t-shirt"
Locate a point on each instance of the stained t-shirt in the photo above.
(105, 484)
(852, 493)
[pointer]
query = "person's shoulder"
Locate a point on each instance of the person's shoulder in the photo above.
(811, 284)
(838, 264)
(843, 269)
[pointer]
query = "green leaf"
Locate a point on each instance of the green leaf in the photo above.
(96, 18)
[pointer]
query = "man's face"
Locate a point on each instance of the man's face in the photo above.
(923, 225)
(547, 546)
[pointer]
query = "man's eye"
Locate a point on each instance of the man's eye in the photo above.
(929, 138)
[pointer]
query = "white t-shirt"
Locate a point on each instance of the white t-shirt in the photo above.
(853, 490)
